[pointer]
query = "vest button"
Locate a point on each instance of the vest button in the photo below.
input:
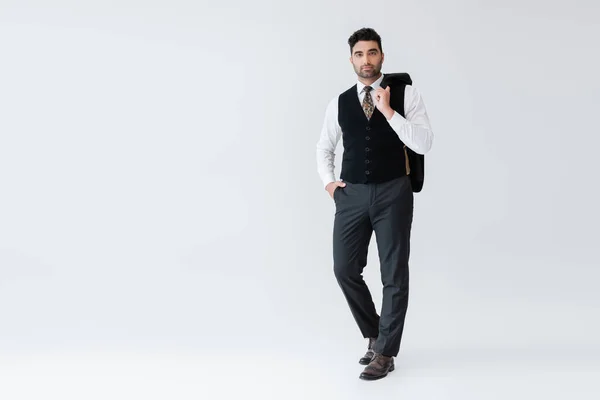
(368, 138)
(367, 149)
(367, 172)
(368, 128)
(367, 161)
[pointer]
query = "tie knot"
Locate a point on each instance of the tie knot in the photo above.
(367, 89)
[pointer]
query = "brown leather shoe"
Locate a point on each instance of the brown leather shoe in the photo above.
(366, 359)
(378, 368)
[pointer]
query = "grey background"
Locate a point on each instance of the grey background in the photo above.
(164, 233)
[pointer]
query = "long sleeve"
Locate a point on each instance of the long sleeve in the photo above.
(331, 133)
(414, 130)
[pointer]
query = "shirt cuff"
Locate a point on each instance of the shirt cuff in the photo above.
(397, 120)
(328, 179)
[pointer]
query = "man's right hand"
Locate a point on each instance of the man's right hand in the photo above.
(332, 186)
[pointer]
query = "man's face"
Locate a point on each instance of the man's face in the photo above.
(367, 59)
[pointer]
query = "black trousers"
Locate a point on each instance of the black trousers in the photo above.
(386, 209)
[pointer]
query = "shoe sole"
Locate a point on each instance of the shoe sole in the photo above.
(374, 378)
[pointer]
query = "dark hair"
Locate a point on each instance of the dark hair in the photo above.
(364, 34)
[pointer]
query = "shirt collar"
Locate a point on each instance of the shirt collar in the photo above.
(360, 86)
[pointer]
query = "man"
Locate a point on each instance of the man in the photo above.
(374, 194)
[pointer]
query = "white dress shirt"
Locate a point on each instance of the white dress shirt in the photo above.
(414, 131)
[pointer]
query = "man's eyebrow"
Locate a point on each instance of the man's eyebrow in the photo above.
(360, 51)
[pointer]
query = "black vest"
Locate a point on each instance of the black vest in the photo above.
(373, 153)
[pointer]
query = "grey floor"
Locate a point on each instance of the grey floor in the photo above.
(288, 334)
(431, 374)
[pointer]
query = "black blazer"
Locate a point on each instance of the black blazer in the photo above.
(415, 160)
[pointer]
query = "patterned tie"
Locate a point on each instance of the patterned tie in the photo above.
(367, 103)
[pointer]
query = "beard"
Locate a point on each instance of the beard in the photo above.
(373, 72)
